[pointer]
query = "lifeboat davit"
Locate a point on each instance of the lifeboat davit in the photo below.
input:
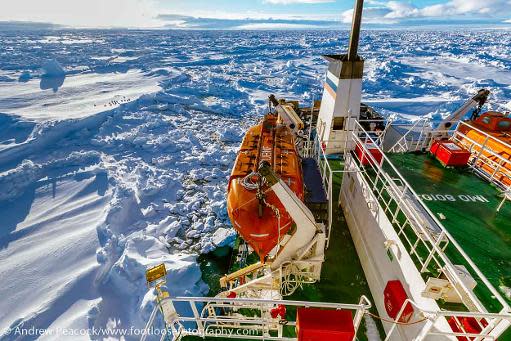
(255, 211)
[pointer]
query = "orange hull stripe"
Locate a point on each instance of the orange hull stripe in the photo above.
(330, 90)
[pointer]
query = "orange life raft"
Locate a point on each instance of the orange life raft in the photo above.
(261, 221)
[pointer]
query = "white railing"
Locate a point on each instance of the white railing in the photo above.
(221, 317)
(378, 137)
(429, 244)
(313, 149)
(487, 329)
(408, 142)
(487, 162)
(425, 238)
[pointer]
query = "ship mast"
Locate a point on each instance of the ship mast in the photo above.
(342, 92)
(355, 30)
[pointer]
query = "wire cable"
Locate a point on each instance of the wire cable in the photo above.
(393, 321)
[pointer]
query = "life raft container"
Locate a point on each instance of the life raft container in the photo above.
(261, 220)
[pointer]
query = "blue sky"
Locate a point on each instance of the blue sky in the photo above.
(234, 14)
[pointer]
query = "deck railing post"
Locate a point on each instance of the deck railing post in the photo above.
(330, 209)
(430, 256)
(398, 317)
(496, 169)
(481, 150)
(499, 327)
(356, 321)
(196, 315)
(427, 327)
(149, 322)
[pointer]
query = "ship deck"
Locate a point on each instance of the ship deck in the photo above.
(467, 206)
(342, 276)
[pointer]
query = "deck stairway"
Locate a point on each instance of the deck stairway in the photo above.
(315, 195)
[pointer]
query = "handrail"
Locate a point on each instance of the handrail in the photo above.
(413, 217)
(150, 322)
(314, 150)
(434, 315)
(366, 305)
(208, 319)
(481, 154)
(404, 137)
(451, 239)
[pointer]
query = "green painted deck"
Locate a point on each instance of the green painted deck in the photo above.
(342, 276)
(467, 206)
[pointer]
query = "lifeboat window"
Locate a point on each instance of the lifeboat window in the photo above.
(338, 123)
(504, 125)
(486, 120)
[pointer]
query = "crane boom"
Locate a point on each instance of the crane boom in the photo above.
(475, 102)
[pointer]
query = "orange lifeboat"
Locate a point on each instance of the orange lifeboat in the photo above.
(254, 210)
(498, 126)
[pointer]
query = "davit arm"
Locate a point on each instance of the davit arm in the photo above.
(306, 227)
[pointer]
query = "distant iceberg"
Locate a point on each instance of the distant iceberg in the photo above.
(53, 75)
(52, 68)
(24, 77)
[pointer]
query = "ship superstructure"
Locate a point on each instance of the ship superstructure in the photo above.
(301, 174)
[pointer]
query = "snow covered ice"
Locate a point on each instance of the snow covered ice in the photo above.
(120, 162)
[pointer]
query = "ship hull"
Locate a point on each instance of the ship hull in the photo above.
(371, 231)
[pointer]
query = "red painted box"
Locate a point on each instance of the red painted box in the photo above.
(363, 156)
(469, 324)
(450, 154)
(394, 297)
(313, 324)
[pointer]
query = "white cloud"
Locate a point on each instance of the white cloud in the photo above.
(218, 14)
(288, 2)
(272, 26)
(246, 23)
(372, 15)
(450, 8)
(83, 13)
(508, 21)
(392, 11)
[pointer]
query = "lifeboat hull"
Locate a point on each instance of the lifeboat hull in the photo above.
(262, 223)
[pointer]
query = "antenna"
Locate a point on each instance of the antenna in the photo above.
(355, 30)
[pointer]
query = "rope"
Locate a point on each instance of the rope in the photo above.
(253, 199)
(252, 186)
(393, 321)
(289, 285)
(247, 183)
(277, 214)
